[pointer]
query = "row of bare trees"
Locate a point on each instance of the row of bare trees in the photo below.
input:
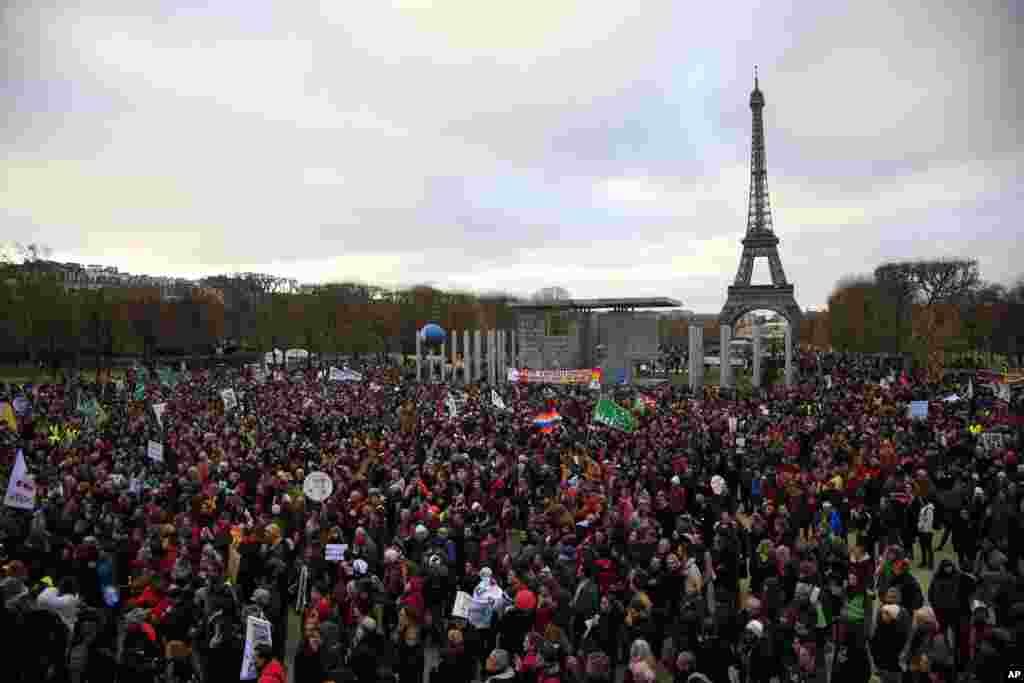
(47, 317)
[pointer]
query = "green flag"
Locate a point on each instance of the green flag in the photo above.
(167, 377)
(609, 413)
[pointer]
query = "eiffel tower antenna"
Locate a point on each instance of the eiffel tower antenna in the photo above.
(760, 240)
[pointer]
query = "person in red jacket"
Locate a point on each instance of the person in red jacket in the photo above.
(271, 670)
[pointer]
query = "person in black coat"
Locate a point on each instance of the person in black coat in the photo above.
(309, 666)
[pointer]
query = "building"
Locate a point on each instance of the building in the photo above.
(77, 277)
(613, 334)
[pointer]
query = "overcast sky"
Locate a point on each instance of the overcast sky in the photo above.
(599, 145)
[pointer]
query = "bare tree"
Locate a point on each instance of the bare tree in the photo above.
(930, 282)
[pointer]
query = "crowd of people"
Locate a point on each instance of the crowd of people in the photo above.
(769, 536)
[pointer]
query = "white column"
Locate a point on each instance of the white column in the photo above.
(492, 347)
(467, 357)
(790, 378)
(455, 351)
(440, 360)
(419, 357)
(494, 352)
(477, 356)
(696, 358)
(725, 336)
(515, 349)
(755, 379)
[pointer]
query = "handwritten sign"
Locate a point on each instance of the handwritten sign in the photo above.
(335, 552)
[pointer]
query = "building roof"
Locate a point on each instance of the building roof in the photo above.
(590, 304)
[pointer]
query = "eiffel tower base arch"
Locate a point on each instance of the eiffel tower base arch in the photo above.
(745, 298)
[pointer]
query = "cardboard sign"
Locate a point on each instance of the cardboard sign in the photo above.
(155, 451)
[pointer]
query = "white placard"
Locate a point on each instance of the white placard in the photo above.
(918, 410)
(318, 486)
(229, 398)
(155, 451)
(335, 552)
(257, 631)
(463, 601)
(158, 410)
(21, 488)
(497, 401)
(453, 407)
(733, 423)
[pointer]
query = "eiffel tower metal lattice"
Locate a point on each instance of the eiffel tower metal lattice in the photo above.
(760, 240)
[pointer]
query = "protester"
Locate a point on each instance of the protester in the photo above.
(718, 536)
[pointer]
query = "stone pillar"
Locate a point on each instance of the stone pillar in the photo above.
(755, 378)
(441, 359)
(790, 378)
(725, 355)
(477, 356)
(419, 358)
(515, 349)
(696, 358)
(492, 349)
(502, 356)
(455, 352)
(467, 357)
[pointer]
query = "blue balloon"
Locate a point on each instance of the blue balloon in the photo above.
(433, 334)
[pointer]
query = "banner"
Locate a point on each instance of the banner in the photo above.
(21, 488)
(155, 451)
(344, 375)
(609, 413)
(257, 631)
(525, 376)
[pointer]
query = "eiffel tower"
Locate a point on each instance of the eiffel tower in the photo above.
(760, 240)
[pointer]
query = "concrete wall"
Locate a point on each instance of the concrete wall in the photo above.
(627, 338)
(538, 351)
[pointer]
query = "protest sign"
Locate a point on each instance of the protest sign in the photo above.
(463, 601)
(229, 398)
(158, 410)
(918, 410)
(497, 401)
(335, 552)
(155, 451)
(21, 488)
(257, 631)
(318, 486)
